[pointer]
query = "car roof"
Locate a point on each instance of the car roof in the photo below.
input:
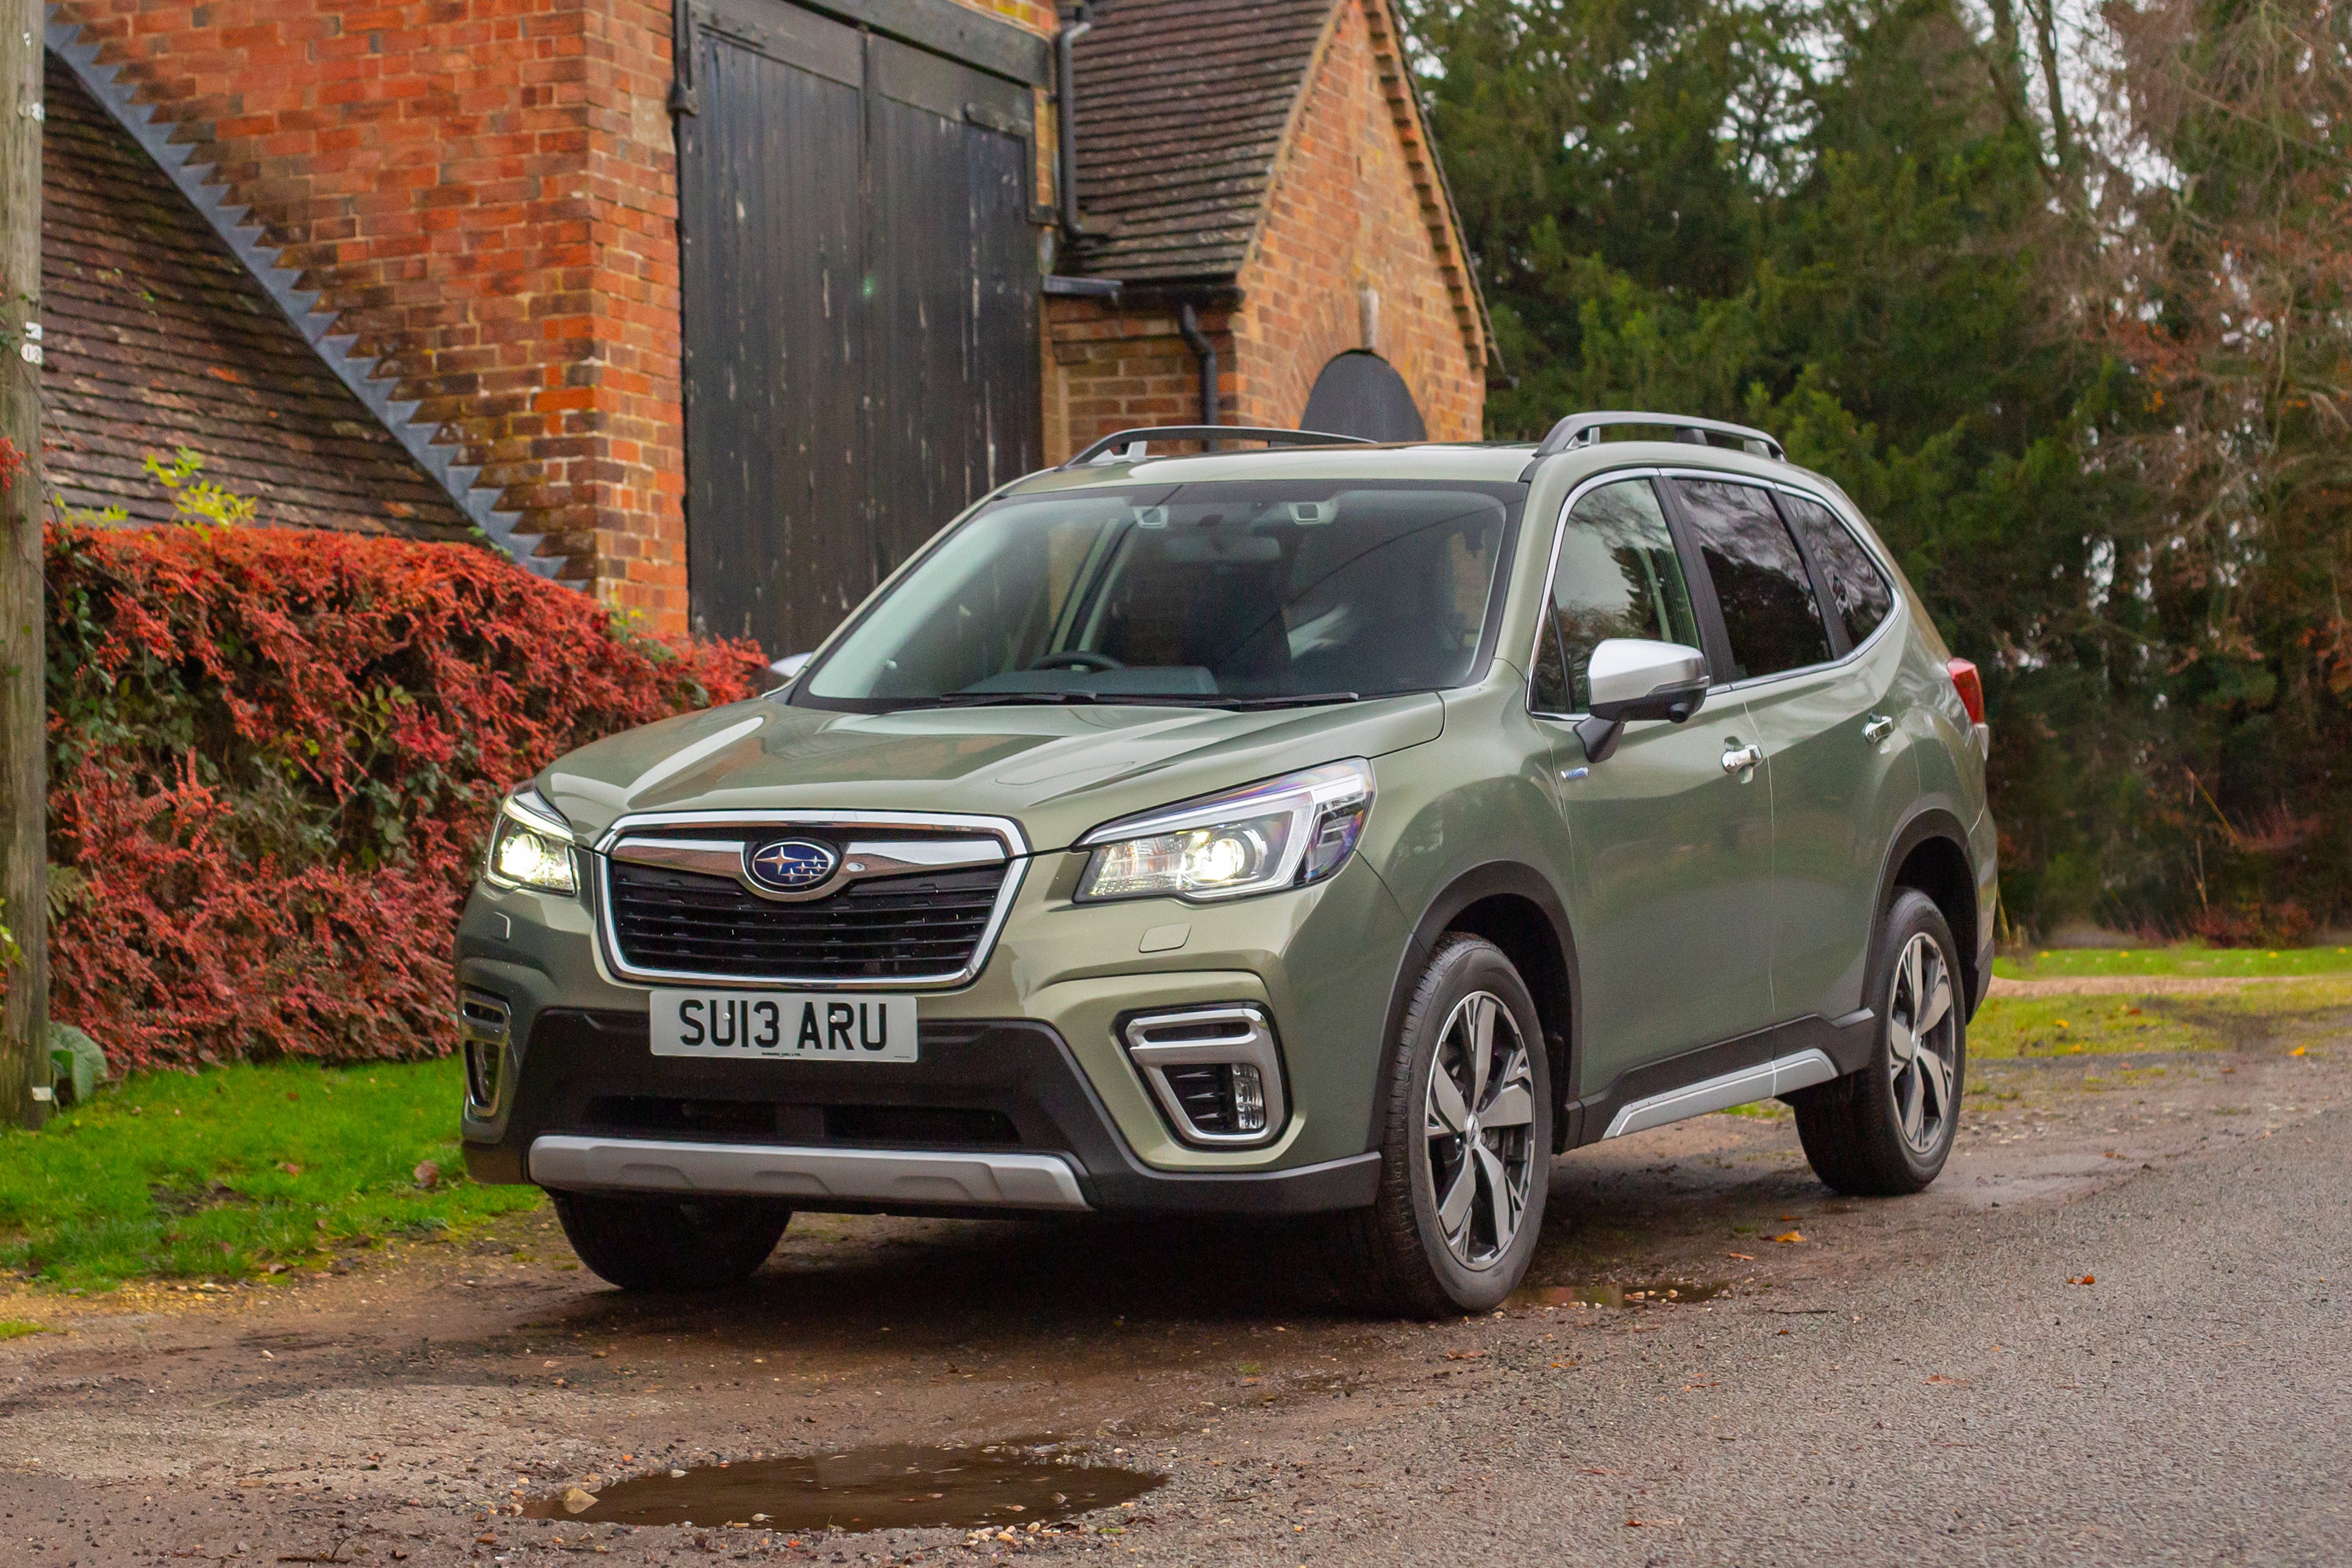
(1503, 462)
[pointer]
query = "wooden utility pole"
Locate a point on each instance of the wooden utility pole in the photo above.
(24, 1092)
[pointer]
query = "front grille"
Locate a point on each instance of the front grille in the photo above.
(892, 928)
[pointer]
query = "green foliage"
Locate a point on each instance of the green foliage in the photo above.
(197, 499)
(1853, 222)
(223, 1172)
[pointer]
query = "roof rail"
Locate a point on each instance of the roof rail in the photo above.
(1141, 438)
(1584, 429)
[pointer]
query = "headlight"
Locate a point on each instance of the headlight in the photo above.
(531, 845)
(1283, 832)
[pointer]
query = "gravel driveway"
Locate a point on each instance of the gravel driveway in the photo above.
(1831, 1381)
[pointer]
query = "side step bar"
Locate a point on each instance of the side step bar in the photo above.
(751, 1170)
(1745, 1086)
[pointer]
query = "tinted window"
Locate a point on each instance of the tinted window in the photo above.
(1760, 578)
(1618, 577)
(1858, 595)
(1189, 593)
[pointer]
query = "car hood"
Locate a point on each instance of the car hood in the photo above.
(1058, 772)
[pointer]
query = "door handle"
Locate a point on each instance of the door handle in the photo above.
(1739, 759)
(1878, 729)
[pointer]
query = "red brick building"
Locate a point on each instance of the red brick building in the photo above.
(718, 312)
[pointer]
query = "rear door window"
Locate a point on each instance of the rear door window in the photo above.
(1769, 609)
(1859, 594)
(1618, 576)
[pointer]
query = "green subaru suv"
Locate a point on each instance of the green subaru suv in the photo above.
(1323, 830)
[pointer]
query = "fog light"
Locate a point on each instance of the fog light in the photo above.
(1248, 1092)
(1215, 1072)
(484, 1028)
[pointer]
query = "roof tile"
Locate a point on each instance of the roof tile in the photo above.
(158, 339)
(1180, 106)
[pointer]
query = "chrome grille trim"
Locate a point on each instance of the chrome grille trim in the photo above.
(880, 833)
(861, 859)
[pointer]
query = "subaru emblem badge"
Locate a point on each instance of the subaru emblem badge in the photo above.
(790, 865)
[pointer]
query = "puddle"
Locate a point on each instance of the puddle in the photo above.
(1673, 1292)
(886, 1487)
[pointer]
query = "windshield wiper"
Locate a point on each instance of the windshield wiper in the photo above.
(1297, 700)
(1006, 698)
(1142, 699)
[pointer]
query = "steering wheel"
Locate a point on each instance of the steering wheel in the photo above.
(1079, 659)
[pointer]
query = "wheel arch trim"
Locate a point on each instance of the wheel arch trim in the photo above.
(1469, 887)
(1927, 823)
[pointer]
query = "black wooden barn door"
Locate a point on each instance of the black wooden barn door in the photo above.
(860, 280)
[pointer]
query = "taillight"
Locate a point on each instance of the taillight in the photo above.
(1969, 685)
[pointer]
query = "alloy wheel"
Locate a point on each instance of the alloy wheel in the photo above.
(1479, 1119)
(1923, 1039)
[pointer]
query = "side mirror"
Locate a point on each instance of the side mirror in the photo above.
(1632, 678)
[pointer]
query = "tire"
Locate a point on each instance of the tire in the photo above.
(1887, 1129)
(670, 1243)
(1406, 1253)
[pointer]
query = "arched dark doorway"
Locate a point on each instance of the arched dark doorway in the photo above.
(1360, 394)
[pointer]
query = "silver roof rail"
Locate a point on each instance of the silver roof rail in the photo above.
(1140, 439)
(1584, 429)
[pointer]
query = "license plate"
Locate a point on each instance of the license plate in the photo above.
(783, 1025)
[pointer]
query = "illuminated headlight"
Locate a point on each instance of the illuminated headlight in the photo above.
(530, 846)
(1283, 832)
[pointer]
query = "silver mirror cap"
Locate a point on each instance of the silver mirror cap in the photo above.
(791, 665)
(1627, 669)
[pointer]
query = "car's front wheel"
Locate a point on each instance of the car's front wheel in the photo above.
(645, 1243)
(1465, 1147)
(1888, 1129)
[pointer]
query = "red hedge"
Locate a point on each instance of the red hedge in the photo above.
(273, 756)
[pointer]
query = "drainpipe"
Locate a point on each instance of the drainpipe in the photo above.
(683, 99)
(1188, 322)
(1066, 102)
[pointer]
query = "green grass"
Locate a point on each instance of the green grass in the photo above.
(226, 1172)
(2218, 963)
(17, 1328)
(2069, 1025)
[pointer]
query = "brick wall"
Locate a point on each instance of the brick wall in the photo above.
(1356, 206)
(486, 191)
(1115, 369)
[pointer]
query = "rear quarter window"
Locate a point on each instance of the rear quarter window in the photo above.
(1860, 595)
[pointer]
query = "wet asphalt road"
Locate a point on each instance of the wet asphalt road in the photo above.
(2192, 1405)
(1915, 1382)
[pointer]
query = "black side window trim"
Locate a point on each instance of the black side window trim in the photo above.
(1824, 602)
(1719, 662)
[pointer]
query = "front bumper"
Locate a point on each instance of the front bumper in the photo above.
(993, 1116)
(1026, 1059)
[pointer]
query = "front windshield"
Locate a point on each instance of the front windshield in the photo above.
(1213, 594)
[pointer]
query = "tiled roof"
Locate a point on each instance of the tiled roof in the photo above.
(157, 338)
(1180, 109)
